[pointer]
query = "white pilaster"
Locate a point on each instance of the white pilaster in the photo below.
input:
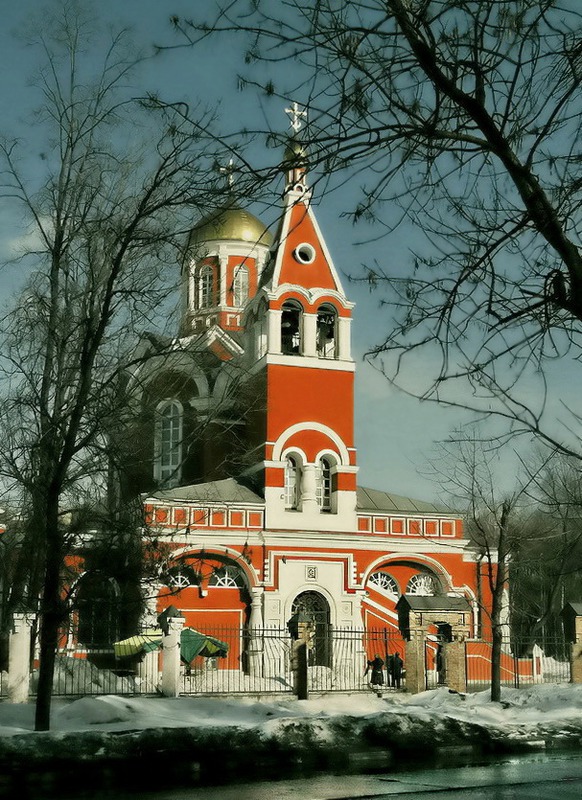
(19, 658)
(309, 335)
(344, 325)
(308, 501)
(274, 331)
(171, 657)
(256, 631)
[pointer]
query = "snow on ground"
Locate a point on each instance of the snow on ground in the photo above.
(144, 742)
(538, 705)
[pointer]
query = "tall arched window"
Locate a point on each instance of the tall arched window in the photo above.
(326, 331)
(323, 485)
(240, 286)
(206, 287)
(169, 443)
(292, 482)
(291, 328)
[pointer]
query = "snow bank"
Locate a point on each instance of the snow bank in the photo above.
(211, 738)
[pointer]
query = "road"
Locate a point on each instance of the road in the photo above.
(547, 777)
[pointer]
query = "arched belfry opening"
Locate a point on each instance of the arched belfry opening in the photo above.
(315, 607)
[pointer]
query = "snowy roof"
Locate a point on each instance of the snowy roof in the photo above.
(226, 491)
(375, 500)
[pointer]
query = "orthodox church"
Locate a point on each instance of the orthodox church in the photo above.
(245, 453)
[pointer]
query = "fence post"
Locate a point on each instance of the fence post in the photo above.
(18, 682)
(576, 653)
(456, 657)
(256, 632)
(415, 666)
(171, 657)
(148, 672)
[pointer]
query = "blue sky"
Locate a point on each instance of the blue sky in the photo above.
(394, 433)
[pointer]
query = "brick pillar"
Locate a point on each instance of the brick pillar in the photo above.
(576, 653)
(414, 663)
(455, 659)
(171, 657)
(18, 682)
(576, 662)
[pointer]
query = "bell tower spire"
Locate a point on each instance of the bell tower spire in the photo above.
(300, 321)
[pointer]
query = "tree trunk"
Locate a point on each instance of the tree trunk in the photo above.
(496, 663)
(51, 616)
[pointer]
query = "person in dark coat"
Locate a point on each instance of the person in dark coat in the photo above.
(390, 670)
(396, 665)
(377, 676)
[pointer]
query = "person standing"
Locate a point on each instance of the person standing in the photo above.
(397, 664)
(377, 676)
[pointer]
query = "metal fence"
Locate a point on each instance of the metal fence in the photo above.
(259, 661)
(521, 665)
(84, 671)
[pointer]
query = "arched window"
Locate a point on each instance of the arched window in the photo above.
(291, 328)
(227, 577)
(423, 584)
(240, 286)
(326, 341)
(206, 287)
(385, 582)
(323, 484)
(168, 461)
(100, 608)
(292, 481)
(181, 577)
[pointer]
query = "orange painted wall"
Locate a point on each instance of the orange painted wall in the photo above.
(299, 394)
(315, 275)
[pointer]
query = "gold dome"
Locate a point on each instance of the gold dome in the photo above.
(231, 223)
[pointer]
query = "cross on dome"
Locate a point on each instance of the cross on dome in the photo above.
(229, 171)
(295, 113)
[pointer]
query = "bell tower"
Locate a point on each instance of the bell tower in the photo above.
(298, 343)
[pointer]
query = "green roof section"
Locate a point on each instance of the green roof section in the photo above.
(226, 491)
(230, 490)
(374, 500)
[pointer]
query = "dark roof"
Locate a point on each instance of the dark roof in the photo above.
(226, 491)
(375, 500)
(435, 603)
(575, 607)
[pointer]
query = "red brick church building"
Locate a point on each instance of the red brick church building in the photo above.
(246, 450)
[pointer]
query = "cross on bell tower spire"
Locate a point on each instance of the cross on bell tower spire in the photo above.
(295, 114)
(295, 162)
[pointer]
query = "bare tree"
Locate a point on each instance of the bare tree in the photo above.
(461, 117)
(546, 570)
(107, 201)
(497, 524)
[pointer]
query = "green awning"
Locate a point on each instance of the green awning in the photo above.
(192, 644)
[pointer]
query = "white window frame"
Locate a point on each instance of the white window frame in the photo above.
(323, 485)
(418, 585)
(205, 286)
(383, 580)
(330, 348)
(292, 482)
(168, 442)
(240, 286)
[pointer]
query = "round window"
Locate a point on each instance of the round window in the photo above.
(304, 253)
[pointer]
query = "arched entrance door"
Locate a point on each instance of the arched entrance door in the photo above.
(316, 608)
